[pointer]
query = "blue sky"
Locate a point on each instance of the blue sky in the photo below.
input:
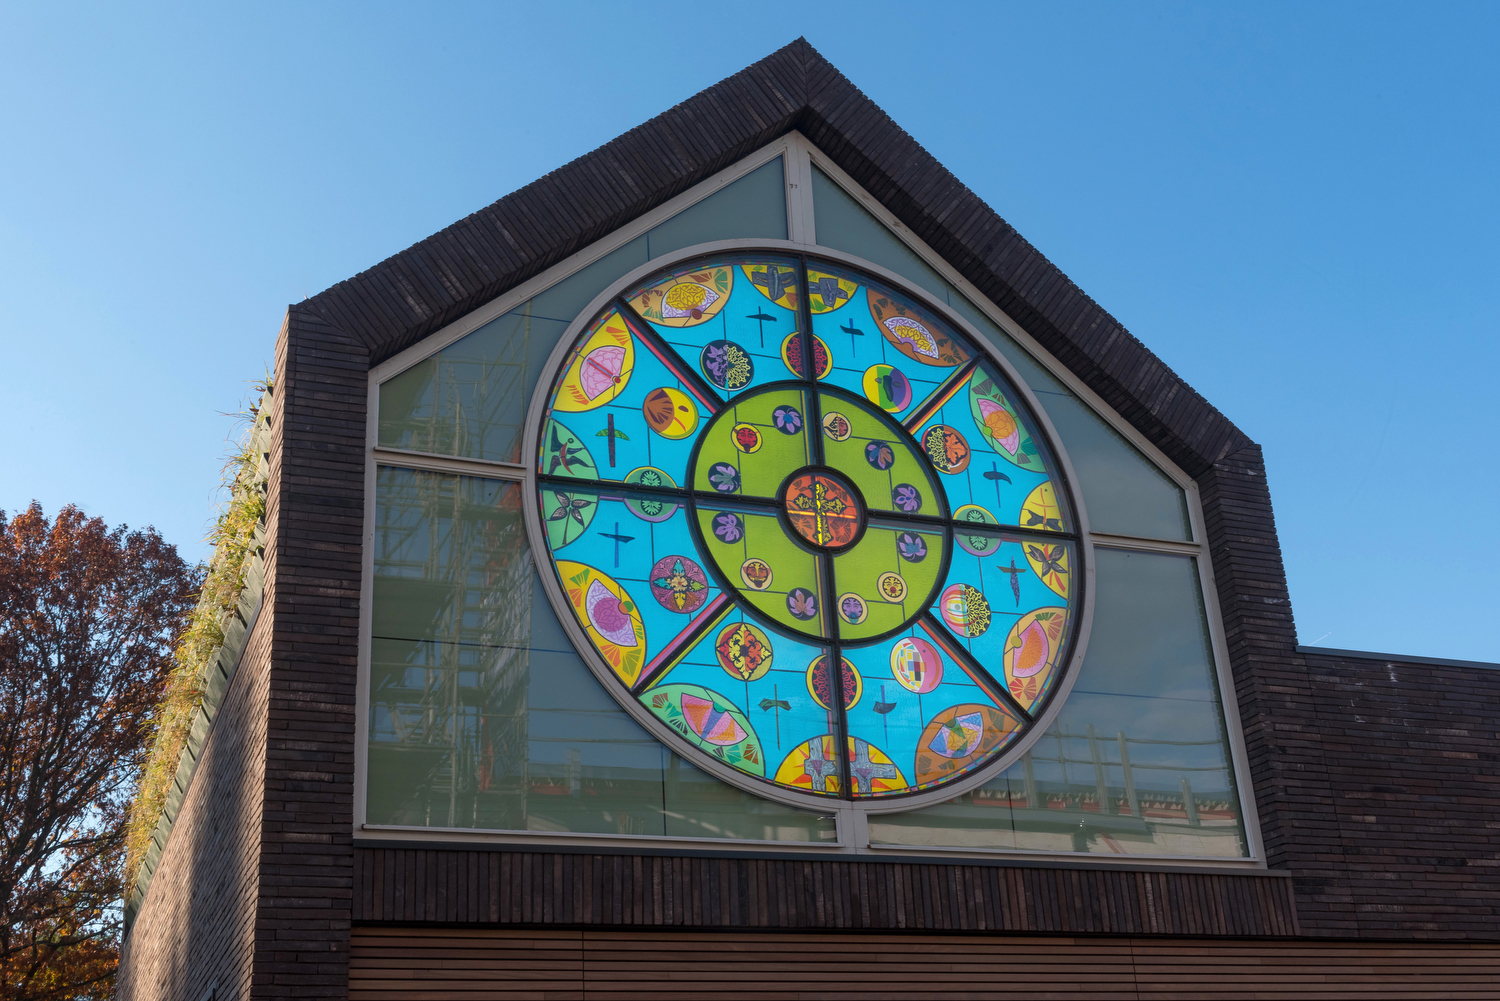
(1294, 205)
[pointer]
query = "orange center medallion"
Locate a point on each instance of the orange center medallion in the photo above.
(822, 509)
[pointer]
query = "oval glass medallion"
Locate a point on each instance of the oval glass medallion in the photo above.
(807, 528)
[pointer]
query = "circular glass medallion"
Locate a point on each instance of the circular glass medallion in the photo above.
(822, 508)
(829, 562)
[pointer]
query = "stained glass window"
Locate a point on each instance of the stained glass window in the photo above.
(806, 528)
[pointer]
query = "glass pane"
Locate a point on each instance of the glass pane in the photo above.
(1125, 492)
(1137, 762)
(481, 713)
(470, 399)
(753, 206)
(843, 224)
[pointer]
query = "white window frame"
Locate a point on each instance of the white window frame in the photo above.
(799, 156)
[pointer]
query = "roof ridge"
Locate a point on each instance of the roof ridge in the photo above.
(431, 283)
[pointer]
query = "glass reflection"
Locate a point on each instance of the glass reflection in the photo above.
(1137, 762)
(483, 716)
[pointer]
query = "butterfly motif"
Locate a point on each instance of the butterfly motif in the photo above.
(1050, 557)
(1033, 519)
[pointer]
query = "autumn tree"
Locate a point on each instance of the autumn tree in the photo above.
(88, 617)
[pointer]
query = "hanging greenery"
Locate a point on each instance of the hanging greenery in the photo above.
(235, 538)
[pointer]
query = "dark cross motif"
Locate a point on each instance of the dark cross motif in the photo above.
(625, 538)
(820, 770)
(777, 703)
(853, 332)
(761, 318)
(829, 289)
(862, 770)
(994, 476)
(1015, 573)
(773, 281)
(884, 709)
(610, 433)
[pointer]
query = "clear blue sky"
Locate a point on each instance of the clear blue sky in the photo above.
(1295, 205)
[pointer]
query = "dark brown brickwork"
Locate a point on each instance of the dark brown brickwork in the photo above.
(1404, 763)
(302, 926)
(1332, 742)
(408, 885)
(196, 927)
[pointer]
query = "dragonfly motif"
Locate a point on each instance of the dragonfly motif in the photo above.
(1015, 573)
(1033, 519)
(773, 282)
(829, 289)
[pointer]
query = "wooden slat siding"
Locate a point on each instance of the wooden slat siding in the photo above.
(565, 889)
(482, 964)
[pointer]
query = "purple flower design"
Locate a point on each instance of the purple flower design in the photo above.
(787, 420)
(724, 477)
(913, 548)
(716, 362)
(802, 603)
(880, 455)
(906, 497)
(728, 527)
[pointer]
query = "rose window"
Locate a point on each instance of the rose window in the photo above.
(806, 528)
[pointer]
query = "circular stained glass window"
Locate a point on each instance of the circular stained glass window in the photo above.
(808, 530)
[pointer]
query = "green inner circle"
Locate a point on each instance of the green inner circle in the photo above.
(748, 454)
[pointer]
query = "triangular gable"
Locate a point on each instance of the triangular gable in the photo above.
(434, 282)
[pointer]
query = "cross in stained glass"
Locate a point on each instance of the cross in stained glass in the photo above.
(862, 771)
(820, 770)
(618, 538)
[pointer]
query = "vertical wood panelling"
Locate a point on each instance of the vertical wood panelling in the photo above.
(556, 888)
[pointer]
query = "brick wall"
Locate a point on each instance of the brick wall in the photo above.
(302, 926)
(1403, 763)
(195, 927)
